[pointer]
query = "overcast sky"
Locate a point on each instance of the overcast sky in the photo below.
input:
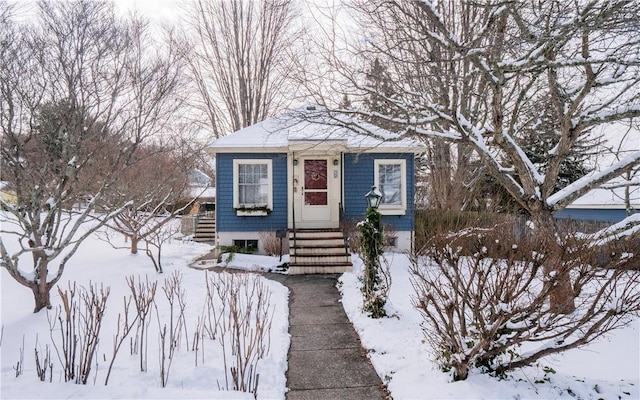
(158, 10)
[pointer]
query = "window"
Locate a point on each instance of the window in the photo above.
(391, 180)
(246, 244)
(252, 184)
(392, 241)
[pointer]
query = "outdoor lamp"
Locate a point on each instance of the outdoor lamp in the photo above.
(373, 197)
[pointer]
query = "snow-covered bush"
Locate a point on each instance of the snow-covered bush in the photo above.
(485, 299)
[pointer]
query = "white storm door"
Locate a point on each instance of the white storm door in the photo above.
(315, 192)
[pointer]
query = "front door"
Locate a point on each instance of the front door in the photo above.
(315, 190)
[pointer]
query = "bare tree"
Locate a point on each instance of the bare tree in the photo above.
(153, 187)
(241, 60)
(471, 73)
(80, 68)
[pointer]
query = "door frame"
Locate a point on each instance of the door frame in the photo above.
(334, 192)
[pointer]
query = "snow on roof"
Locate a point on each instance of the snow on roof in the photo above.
(197, 177)
(203, 192)
(608, 198)
(312, 124)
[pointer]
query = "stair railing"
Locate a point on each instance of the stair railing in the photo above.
(293, 215)
(344, 235)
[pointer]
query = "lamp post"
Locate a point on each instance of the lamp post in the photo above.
(375, 283)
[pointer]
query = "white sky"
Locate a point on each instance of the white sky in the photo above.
(157, 10)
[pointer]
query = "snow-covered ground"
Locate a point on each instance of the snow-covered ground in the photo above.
(98, 262)
(607, 369)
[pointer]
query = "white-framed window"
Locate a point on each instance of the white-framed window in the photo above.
(252, 184)
(391, 179)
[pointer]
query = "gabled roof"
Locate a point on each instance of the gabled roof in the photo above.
(312, 127)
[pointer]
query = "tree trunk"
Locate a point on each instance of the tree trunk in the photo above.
(40, 287)
(134, 244)
(42, 297)
(561, 295)
(460, 372)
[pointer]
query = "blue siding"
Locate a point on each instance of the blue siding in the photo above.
(592, 214)
(226, 218)
(358, 179)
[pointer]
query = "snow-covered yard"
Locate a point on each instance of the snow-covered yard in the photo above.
(607, 369)
(98, 262)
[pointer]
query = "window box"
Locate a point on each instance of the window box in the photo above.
(252, 211)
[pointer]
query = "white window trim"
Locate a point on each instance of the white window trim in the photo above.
(398, 209)
(236, 194)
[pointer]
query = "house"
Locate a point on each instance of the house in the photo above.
(304, 175)
(606, 205)
(198, 220)
(7, 196)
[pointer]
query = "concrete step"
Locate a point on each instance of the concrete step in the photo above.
(334, 268)
(320, 259)
(206, 230)
(316, 234)
(316, 250)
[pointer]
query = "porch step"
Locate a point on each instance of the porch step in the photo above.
(206, 230)
(314, 251)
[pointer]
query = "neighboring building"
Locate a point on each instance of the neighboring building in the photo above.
(618, 140)
(200, 189)
(7, 195)
(198, 218)
(307, 174)
(607, 205)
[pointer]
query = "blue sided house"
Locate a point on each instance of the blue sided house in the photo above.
(607, 205)
(303, 176)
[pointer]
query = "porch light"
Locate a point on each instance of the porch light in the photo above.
(335, 161)
(295, 161)
(373, 197)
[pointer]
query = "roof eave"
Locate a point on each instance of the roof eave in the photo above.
(247, 149)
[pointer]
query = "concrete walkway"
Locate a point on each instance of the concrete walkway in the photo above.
(326, 360)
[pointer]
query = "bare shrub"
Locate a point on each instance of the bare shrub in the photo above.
(389, 234)
(244, 325)
(482, 296)
(125, 324)
(170, 341)
(154, 241)
(352, 234)
(44, 365)
(20, 364)
(144, 297)
(198, 341)
(273, 245)
(80, 321)
(209, 322)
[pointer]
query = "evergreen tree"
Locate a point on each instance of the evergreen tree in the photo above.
(542, 137)
(380, 88)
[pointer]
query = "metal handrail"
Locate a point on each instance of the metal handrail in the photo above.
(293, 216)
(341, 218)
